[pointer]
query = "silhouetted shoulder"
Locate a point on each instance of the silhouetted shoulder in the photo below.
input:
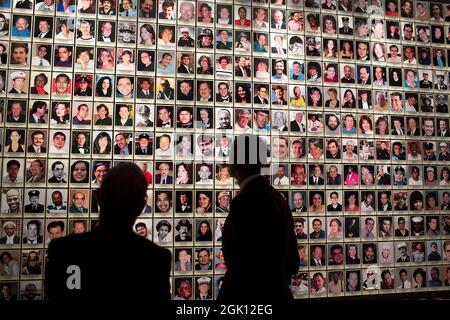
(131, 266)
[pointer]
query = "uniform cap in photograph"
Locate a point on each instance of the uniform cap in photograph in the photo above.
(34, 193)
(204, 280)
(144, 136)
(84, 78)
(417, 219)
(428, 146)
(430, 169)
(18, 75)
(401, 245)
(442, 144)
(183, 30)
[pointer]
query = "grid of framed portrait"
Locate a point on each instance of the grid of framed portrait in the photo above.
(351, 97)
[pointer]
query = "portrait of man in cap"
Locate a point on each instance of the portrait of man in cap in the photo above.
(203, 288)
(18, 79)
(84, 87)
(402, 252)
(184, 229)
(185, 40)
(223, 202)
(345, 29)
(144, 145)
(34, 206)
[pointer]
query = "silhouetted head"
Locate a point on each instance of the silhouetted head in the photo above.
(122, 195)
(249, 155)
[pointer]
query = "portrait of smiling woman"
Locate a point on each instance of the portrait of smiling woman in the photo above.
(102, 143)
(79, 172)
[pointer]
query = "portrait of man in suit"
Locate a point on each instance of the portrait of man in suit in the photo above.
(261, 97)
(278, 20)
(33, 232)
(80, 143)
(122, 145)
(78, 202)
(106, 32)
(278, 46)
(184, 201)
(242, 69)
(145, 90)
(43, 28)
(317, 258)
(164, 176)
(316, 177)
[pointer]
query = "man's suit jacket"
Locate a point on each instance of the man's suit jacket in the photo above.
(446, 134)
(313, 263)
(296, 127)
(54, 180)
(320, 181)
(283, 25)
(32, 120)
(182, 69)
(75, 149)
(380, 207)
(141, 94)
(128, 123)
(169, 179)
(219, 152)
(256, 99)
(274, 50)
(39, 239)
(416, 132)
(29, 208)
(20, 120)
(147, 266)
(117, 149)
(31, 149)
(265, 230)
(338, 207)
(435, 61)
(187, 209)
(16, 240)
(100, 36)
(74, 209)
(238, 72)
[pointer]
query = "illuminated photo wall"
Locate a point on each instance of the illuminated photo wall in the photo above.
(352, 97)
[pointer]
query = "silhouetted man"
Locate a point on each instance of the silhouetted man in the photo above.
(259, 222)
(146, 266)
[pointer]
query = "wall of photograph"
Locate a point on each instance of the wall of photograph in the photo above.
(351, 96)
